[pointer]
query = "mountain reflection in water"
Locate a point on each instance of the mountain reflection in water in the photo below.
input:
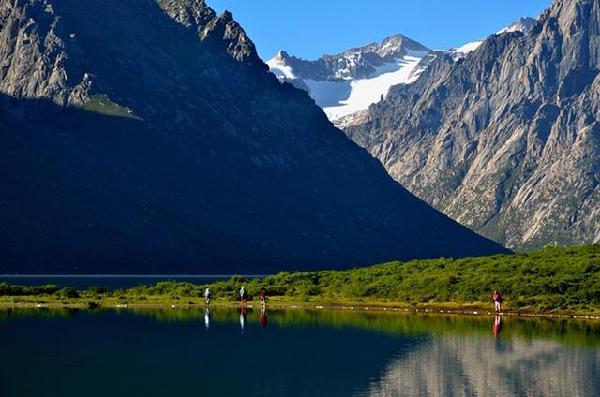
(220, 351)
(479, 365)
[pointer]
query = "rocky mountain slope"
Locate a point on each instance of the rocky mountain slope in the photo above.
(147, 136)
(349, 82)
(507, 139)
(346, 84)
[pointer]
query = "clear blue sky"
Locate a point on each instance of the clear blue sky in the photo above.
(310, 28)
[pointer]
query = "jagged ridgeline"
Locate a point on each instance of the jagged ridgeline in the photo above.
(507, 139)
(148, 136)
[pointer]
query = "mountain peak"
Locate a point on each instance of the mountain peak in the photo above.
(393, 46)
(281, 55)
(374, 68)
(523, 25)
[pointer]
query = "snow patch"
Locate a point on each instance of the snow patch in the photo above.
(469, 47)
(280, 69)
(365, 92)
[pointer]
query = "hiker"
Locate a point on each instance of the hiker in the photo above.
(207, 295)
(243, 297)
(262, 294)
(497, 298)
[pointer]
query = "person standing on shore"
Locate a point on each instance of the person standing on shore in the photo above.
(207, 295)
(497, 298)
(262, 294)
(243, 294)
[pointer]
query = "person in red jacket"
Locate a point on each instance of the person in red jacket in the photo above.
(262, 294)
(497, 298)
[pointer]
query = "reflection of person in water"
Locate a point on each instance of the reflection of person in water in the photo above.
(497, 327)
(262, 320)
(206, 318)
(243, 313)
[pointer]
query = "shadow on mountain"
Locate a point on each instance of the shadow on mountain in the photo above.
(226, 171)
(88, 192)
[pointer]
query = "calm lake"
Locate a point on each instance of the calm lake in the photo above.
(227, 352)
(108, 281)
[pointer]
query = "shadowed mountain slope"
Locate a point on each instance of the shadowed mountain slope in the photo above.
(147, 136)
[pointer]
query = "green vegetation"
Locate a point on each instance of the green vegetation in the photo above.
(104, 105)
(553, 280)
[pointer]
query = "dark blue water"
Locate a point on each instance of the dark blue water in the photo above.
(292, 353)
(107, 281)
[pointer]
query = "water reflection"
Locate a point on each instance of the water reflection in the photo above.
(455, 364)
(243, 314)
(161, 352)
(262, 319)
(206, 317)
(497, 327)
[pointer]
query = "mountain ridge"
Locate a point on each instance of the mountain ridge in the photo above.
(506, 139)
(347, 83)
(148, 136)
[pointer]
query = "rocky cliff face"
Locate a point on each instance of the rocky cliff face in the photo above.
(147, 136)
(506, 140)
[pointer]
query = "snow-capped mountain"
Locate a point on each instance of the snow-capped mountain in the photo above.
(523, 25)
(351, 81)
(346, 84)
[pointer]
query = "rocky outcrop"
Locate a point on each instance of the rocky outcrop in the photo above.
(147, 136)
(507, 139)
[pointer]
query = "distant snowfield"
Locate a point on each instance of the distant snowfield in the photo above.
(470, 47)
(280, 70)
(341, 98)
(344, 99)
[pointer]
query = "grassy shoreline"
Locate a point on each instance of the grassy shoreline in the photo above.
(555, 281)
(448, 308)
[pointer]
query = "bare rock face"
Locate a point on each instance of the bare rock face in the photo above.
(506, 140)
(147, 136)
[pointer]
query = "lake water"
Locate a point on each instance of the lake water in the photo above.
(227, 352)
(108, 281)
